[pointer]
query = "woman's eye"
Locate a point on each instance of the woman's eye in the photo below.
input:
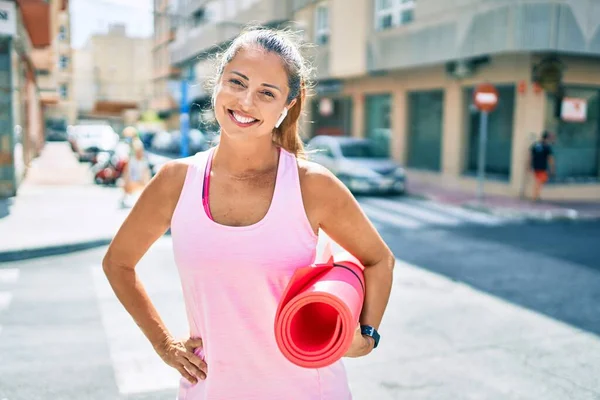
(236, 82)
(267, 93)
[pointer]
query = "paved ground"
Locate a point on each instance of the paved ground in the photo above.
(51, 213)
(482, 312)
(506, 206)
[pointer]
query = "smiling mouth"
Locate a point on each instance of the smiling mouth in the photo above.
(241, 120)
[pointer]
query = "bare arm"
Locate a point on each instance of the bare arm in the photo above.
(341, 217)
(148, 221)
(551, 164)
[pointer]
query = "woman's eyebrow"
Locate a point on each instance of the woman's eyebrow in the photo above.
(246, 78)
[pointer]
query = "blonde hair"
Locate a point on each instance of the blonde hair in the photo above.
(287, 45)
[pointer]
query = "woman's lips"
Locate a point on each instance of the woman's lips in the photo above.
(241, 119)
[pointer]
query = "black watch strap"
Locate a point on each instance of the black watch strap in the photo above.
(368, 330)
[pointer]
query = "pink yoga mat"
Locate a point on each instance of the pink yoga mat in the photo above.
(319, 311)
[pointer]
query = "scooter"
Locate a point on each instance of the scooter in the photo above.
(108, 168)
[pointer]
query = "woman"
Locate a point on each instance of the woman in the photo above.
(237, 250)
(137, 172)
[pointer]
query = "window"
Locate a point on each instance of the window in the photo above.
(378, 124)
(499, 135)
(322, 24)
(199, 17)
(425, 128)
(64, 91)
(63, 62)
(62, 33)
(214, 11)
(391, 13)
(248, 3)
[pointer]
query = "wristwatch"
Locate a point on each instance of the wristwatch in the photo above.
(368, 330)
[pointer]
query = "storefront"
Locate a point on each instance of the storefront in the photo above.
(425, 119)
(331, 110)
(498, 154)
(433, 128)
(576, 124)
(378, 121)
(7, 137)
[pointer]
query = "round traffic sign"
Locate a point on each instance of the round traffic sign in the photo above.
(485, 97)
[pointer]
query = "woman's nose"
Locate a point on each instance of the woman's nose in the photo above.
(247, 99)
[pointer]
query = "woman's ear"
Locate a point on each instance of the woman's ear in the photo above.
(281, 117)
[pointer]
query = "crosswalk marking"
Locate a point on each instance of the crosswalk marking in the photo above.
(415, 212)
(469, 216)
(9, 275)
(408, 213)
(5, 299)
(137, 367)
(393, 219)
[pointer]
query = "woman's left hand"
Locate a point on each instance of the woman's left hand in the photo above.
(361, 345)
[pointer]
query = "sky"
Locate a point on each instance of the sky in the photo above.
(95, 16)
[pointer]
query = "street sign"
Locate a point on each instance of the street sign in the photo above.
(573, 109)
(8, 18)
(485, 97)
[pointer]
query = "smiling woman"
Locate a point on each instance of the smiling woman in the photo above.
(244, 217)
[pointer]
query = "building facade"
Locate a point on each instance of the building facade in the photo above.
(54, 67)
(21, 113)
(164, 74)
(113, 74)
(403, 72)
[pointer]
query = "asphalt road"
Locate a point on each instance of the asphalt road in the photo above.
(478, 311)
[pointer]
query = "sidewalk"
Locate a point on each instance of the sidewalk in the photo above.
(507, 206)
(58, 209)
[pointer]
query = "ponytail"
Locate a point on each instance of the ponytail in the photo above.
(287, 135)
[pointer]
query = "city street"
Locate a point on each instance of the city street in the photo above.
(481, 308)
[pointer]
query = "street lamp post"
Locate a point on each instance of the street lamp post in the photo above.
(184, 118)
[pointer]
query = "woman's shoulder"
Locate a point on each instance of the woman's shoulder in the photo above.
(171, 175)
(319, 184)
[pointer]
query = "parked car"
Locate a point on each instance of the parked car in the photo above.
(88, 140)
(357, 163)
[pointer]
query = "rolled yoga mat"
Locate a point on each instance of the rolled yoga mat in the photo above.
(319, 311)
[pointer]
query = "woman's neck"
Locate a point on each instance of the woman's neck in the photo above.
(243, 159)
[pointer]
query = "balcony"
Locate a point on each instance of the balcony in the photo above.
(487, 28)
(168, 72)
(319, 57)
(163, 103)
(300, 4)
(43, 59)
(49, 96)
(195, 41)
(164, 39)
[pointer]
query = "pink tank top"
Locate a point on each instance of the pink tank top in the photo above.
(232, 280)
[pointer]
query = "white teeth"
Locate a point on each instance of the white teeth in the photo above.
(242, 120)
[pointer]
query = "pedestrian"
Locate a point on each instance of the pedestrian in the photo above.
(244, 215)
(541, 162)
(136, 174)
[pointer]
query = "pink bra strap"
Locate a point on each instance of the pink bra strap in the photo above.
(206, 185)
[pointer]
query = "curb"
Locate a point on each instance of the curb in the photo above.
(53, 250)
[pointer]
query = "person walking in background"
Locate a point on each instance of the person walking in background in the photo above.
(541, 162)
(137, 173)
(244, 216)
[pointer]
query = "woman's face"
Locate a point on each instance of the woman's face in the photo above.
(251, 94)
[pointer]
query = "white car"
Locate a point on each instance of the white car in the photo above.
(357, 164)
(90, 139)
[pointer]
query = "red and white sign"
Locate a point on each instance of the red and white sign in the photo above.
(573, 109)
(485, 97)
(326, 106)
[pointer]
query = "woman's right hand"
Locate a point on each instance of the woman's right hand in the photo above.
(180, 355)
